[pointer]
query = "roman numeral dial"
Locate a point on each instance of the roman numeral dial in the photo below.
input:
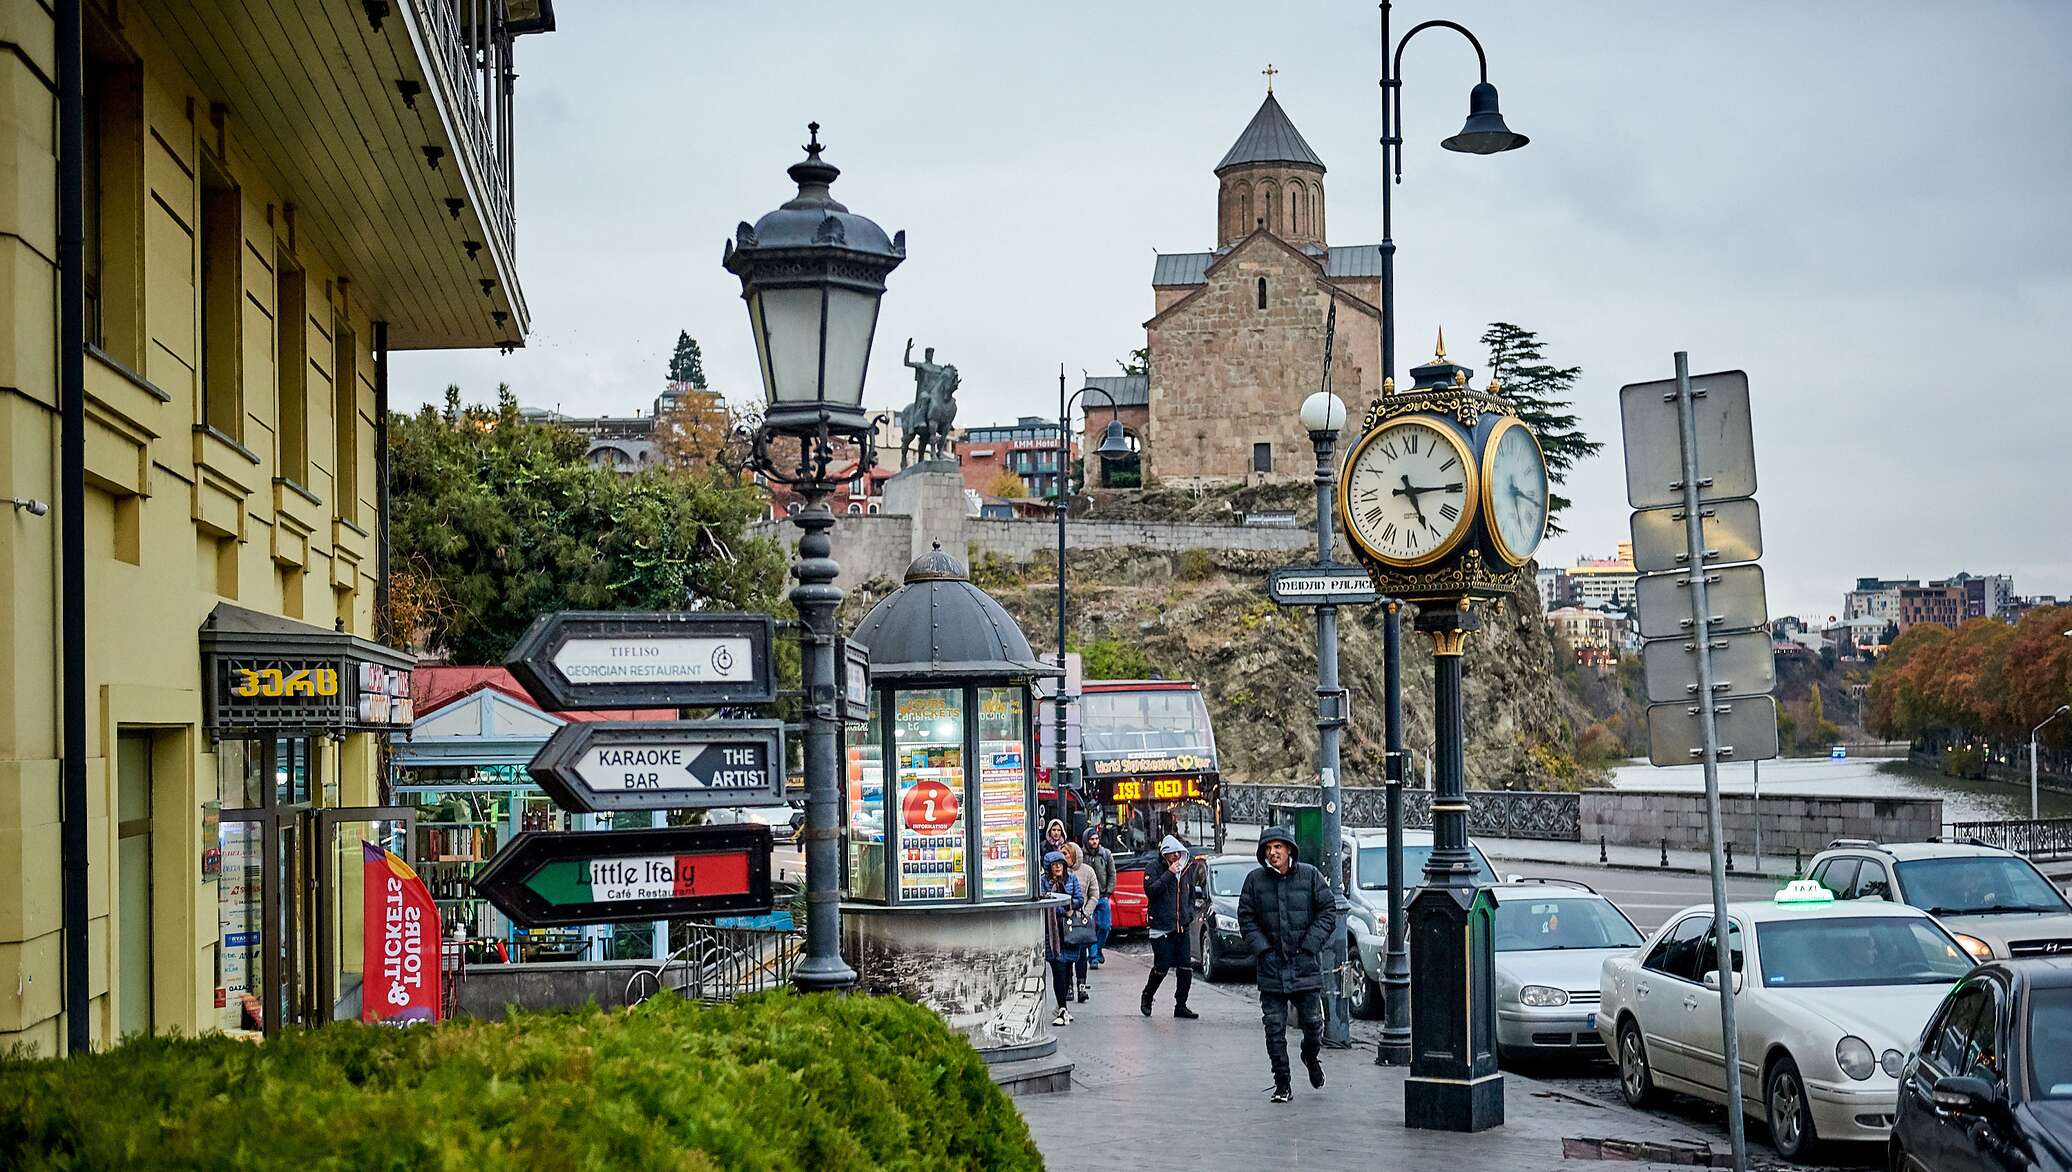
(1409, 489)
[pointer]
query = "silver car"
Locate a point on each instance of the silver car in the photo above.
(1552, 939)
(1366, 922)
(1996, 902)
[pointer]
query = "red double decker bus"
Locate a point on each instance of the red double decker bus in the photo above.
(1148, 758)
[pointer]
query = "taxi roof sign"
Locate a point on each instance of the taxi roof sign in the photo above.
(1805, 891)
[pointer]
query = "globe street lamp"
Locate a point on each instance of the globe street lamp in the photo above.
(1323, 415)
(1114, 445)
(1484, 133)
(812, 272)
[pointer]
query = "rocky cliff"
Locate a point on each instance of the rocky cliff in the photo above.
(1205, 616)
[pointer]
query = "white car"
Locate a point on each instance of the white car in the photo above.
(1552, 939)
(1829, 998)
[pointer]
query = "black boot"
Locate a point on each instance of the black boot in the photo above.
(1151, 990)
(1316, 1071)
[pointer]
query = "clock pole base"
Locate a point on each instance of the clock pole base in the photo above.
(1449, 1105)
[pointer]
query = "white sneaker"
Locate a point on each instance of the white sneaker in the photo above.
(1060, 1017)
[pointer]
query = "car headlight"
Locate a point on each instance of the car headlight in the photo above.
(1979, 949)
(1855, 1057)
(1225, 923)
(1892, 1062)
(1542, 996)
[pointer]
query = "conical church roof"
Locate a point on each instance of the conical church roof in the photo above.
(1269, 138)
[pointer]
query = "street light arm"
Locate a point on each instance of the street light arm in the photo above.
(2062, 710)
(1392, 102)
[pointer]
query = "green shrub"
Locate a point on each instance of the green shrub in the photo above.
(776, 1081)
(1113, 659)
(1196, 564)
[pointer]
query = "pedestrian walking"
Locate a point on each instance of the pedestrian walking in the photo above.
(1054, 836)
(1286, 913)
(1170, 892)
(1102, 860)
(1090, 887)
(1057, 880)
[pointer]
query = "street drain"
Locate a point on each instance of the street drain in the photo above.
(1687, 1155)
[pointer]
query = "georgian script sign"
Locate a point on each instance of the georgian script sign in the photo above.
(549, 878)
(578, 660)
(1320, 586)
(596, 766)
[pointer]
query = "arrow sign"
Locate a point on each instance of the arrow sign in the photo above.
(579, 659)
(546, 879)
(594, 766)
(1329, 585)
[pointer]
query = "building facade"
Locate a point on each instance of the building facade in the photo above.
(1236, 339)
(1875, 598)
(1028, 448)
(1934, 603)
(1604, 582)
(262, 228)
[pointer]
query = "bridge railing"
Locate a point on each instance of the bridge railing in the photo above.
(2035, 838)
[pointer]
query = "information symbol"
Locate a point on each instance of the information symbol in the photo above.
(722, 659)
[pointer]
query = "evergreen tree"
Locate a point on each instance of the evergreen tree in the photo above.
(687, 365)
(1139, 361)
(1541, 394)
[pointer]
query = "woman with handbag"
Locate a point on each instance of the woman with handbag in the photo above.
(1082, 930)
(1059, 881)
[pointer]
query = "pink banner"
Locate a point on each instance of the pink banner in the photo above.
(401, 942)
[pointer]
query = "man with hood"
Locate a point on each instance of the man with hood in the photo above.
(1169, 894)
(1102, 860)
(1286, 914)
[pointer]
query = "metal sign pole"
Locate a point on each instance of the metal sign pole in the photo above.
(1701, 634)
(1756, 801)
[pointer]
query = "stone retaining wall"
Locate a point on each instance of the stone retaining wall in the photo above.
(1805, 824)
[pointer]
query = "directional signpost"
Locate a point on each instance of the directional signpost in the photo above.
(1325, 585)
(578, 659)
(545, 879)
(597, 766)
(1706, 660)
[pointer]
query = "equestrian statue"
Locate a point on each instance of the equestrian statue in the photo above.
(927, 419)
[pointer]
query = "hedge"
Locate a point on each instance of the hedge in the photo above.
(775, 1081)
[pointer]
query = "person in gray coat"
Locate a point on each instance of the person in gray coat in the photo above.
(1286, 913)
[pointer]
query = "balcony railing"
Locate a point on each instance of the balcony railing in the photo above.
(469, 43)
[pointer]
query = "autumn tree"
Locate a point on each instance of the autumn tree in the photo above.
(692, 431)
(1007, 485)
(1542, 394)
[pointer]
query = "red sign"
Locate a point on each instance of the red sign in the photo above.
(400, 942)
(929, 807)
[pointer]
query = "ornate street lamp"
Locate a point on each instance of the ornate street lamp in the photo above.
(812, 272)
(1114, 445)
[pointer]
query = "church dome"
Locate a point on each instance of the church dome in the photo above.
(940, 626)
(1269, 138)
(1269, 178)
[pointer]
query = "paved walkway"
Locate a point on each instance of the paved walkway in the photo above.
(1159, 1092)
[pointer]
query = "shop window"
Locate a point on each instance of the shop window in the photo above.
(865, 775)
(294, 769)
(1004, 864)
(345, 417)
(291, 368)
(222, 301)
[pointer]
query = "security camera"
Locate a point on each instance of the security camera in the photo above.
(36, 508)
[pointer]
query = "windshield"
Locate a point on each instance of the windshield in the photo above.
(1374, 866)
(1536, 925)
(1977, 884)
(1228, 879)
(1825, 952)
(2050, 1043)
(1165, 722)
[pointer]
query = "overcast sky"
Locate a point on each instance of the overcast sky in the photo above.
(1861, 204)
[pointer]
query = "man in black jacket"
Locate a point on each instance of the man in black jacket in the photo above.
(1170, 893)
(1287, 913)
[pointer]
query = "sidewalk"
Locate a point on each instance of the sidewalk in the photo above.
(1158, 1091)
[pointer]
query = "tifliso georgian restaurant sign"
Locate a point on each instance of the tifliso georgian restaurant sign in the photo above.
(577, 660)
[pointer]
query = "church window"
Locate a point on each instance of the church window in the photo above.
(1262, 292)
(1262, 457)
(1296, 202)
(1273, 209)
(1244, 209)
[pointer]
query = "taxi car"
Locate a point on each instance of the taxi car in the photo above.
(1829, 997)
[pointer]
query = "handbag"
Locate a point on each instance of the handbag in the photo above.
(1080, 934)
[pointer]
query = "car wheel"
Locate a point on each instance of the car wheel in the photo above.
(1636, 1080)
(1211, 958)
(1789, 1111)
(1362, 992)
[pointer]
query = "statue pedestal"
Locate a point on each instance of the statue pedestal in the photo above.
(932, 493)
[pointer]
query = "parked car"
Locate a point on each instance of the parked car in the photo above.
(1216, 947)
(1990, 1085)
(1995, 901)
(1552, 939)
(1829, 997)
(1367, 893)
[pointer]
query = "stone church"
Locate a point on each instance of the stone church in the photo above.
(1237, 339)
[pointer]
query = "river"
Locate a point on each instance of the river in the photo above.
(1855, 777)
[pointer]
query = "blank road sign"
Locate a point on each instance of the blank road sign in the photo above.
(1732, 531)
(1741, 665)
(1733, 594)
(1654, 448)
(1747, 727)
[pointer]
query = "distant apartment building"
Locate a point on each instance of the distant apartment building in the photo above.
(1604, 581)
(1856, 638)
(1986, 596)
(1876, 598)
(1556, 588)
(1939, 604)
(1596, 637)
(1028, 447)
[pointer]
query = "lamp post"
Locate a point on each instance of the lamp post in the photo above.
(1113, 444)
(2062, 710)
(1484, 133)
(1323, 415)
(812, 273)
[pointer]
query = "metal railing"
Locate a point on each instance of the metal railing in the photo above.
(721, 964)
(2039, 838)
(470, 58)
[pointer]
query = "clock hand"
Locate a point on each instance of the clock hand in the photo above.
(1521, 494)
(1410, 492)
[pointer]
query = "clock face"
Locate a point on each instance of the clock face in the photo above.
(1409, 492)
(1514, 487)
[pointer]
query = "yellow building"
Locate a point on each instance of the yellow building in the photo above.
(273, 194)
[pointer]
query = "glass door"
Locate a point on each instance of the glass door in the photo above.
(337, 841)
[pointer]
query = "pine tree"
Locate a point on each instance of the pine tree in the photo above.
(1139, 361)
(1541, 394)
(687, 365)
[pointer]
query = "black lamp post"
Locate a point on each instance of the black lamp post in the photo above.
(812, 273)
(1114, 444)
(1484, 133)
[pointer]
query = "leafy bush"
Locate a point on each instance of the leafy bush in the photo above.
(1196, 564)
(775, 1081)
(1113, 659)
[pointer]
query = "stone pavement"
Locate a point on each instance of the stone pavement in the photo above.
(1164, 1092)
